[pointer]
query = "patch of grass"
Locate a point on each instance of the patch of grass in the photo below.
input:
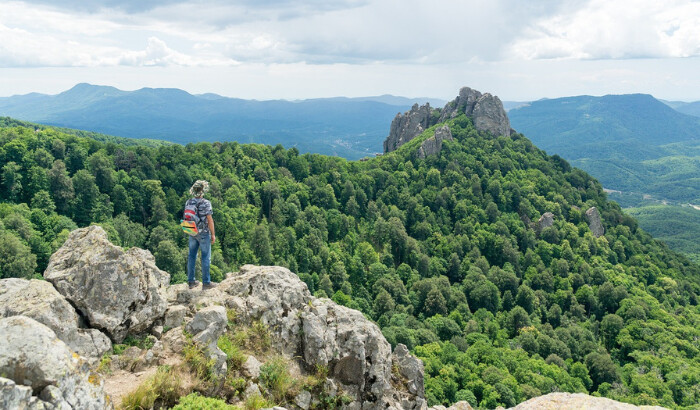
(105, 364)
(142, 342)
(234, 357)
(194, 401)
(162, 389)
(259, 336)
(198, 363)
(232, 317)
(119, 349)
(275, 377)
(256, 402)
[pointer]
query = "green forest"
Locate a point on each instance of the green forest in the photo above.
(441, 253)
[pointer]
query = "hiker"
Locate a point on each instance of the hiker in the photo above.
(204, 238)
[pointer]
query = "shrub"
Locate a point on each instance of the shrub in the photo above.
(164, 388)
(196, 402)
(256, 402)
(274, 375)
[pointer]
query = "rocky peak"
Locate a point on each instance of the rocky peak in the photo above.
(405, 127)
(485, 110)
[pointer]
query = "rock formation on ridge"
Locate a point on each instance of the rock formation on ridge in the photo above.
(40, 301)
(433, 145)
(117, 292)
(485, 110)
(42, 372)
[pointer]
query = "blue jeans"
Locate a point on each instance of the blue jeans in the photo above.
(203, 242)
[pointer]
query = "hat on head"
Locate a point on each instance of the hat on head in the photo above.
(199, 188)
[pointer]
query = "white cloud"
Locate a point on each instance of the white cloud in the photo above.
(604, 29)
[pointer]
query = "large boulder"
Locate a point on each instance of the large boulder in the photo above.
(314, 332)
(566, 401)
(31, 355)
(118, 292)
(40, 301)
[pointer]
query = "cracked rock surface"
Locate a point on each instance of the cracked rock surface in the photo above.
(42, 371)
(40, 301)
(314, 331)
(118, 292)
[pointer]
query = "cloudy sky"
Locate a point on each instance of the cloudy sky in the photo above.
(268, 49)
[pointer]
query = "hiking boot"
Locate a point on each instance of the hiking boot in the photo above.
(193, 284)
(209, 285)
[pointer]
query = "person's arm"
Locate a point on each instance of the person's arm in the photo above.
(210, 222)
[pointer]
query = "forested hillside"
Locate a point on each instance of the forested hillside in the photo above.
(440, 252)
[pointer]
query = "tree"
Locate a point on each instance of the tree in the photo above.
(517, 319)
(86, 197)
(260, 243)
(601, 369)
(610, 327)
(16, 258)
(61, 187)
(12, 182)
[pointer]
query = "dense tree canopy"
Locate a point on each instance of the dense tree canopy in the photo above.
(440, 252)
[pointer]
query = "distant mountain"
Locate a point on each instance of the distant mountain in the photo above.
(629, 142)
(347, 127)
(692, 108)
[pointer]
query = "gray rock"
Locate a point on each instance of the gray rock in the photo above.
(352, 347)
(595, 224)
(251, 367)
(485, 110)
(490, 116)
(577, 401)
(32, 355)
(252, 390)
(464, 103)
(118, 292)
(545, 221)
(174, 316)
(354, 350)
(303, 400)
(433, 145)
(174, 340)
(13, 396)
(411, 368)
(206, 327)
(40, 301)
(409, 125)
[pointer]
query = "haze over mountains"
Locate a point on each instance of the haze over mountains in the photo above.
(347, 127)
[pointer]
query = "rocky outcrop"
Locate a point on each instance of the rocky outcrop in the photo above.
(118, 292)
(407, 126)
(43, 372)
(570, 401)
(485, 110)
(545, 221)
(594, 222)
(433, 145)
(317, 331)
(40, 301)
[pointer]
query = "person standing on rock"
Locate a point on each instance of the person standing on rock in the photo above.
(204, 239)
